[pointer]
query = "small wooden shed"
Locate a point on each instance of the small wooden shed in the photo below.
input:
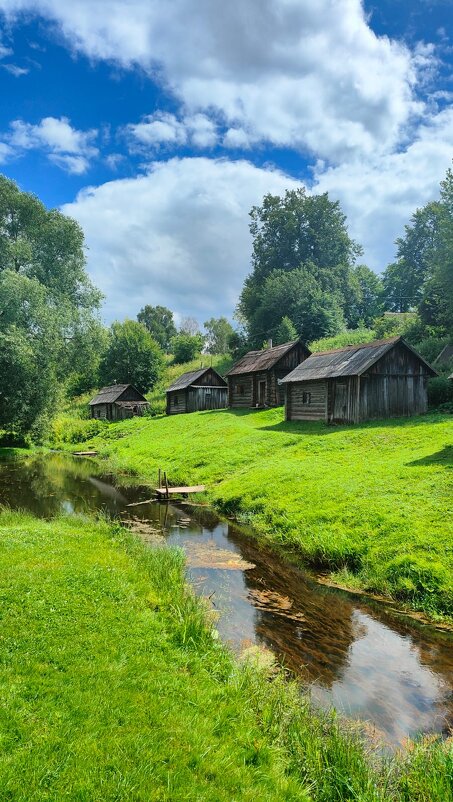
(197, 390)
(117, 402)
(254, 381)
(381, 379)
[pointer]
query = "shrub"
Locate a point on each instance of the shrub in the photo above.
(349, 337)
(440, 391)
(70, 430)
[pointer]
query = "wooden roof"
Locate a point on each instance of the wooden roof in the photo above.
(108, 395)
(192, 376)
(353, 360)
(262, 360)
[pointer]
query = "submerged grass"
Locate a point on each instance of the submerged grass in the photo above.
(115, 688)
(372, 502)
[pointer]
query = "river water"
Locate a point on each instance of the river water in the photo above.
(369, 661)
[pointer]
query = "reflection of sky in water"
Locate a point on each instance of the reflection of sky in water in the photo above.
(351, 655)
(384, 680)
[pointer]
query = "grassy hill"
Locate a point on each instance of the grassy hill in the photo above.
(370, 504)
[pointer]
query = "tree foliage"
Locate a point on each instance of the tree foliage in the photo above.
(185, 347)
(218, 333)
(48, 306)
(160, 324)
(132, 357)
(301, 247)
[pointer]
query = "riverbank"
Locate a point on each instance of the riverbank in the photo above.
(115, 687)
(370, 505)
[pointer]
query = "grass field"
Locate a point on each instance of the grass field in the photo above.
(115, 689)
(369, 504)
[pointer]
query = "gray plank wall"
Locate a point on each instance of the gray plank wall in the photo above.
(296, 409)
(236, 397)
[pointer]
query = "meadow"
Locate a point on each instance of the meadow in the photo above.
(369, 505)
(116, 687)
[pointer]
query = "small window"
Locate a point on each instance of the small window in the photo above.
(175, 401)
(306, 398)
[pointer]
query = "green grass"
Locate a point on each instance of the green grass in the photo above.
(114, 689)
(374, 500)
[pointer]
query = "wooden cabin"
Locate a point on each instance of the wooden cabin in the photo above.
(381, 379)
(118, 402)
(254, 381)
(197, 390)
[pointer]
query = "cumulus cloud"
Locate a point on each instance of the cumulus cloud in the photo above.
(379, 195)
(162, 129)
(176, 236)
(65, 146)
(291, 72)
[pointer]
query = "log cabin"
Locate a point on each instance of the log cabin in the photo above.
(118, 402)
(254, 381)
(382, 379)
(197, 390)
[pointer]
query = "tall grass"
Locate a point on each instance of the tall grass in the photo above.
(115, 689)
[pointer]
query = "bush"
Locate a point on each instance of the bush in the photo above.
(186, 346)
(440, 391)
(70, 430)
(430, 347)
(349, 337)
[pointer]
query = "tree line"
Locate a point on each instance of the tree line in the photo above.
(306, 281)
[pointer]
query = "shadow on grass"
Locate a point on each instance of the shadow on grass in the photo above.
(443, 457)
(320, 427)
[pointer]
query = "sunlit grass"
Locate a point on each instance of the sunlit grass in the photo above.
(115, 690)
(375, 499)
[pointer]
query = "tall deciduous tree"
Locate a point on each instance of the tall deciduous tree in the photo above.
(160, 324)
(132, 357)
(218, 333)
(404, 279)
(306, 235)
(185, 347)
(47, 304)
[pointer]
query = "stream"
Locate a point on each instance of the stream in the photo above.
(366, 659)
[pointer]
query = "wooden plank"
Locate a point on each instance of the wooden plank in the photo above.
(170, 491)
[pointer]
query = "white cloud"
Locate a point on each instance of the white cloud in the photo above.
(296, 73)
(5, 152)
(5, 51)
(380, 195)
(66, 147)
(177, 236)
(13, 69)
(162, 129)
(157, 129)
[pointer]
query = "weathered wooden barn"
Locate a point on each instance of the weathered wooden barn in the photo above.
(254, 380)
(196, 391)
(381, 379)
(117, 402)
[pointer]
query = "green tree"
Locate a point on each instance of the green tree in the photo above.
(285, 331)
(297, 295)
(160, 324)
(404, 279)
(298, 233)
(132, 357)
(48, 305)
(29, 349)
(436, 307)
(185, 347)
(365, 301)
(218, 332)
(45, 245)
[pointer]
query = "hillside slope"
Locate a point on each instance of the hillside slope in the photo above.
(369, 503)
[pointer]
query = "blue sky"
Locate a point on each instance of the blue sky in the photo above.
(158, 125)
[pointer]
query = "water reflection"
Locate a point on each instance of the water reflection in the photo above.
(365, 659)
